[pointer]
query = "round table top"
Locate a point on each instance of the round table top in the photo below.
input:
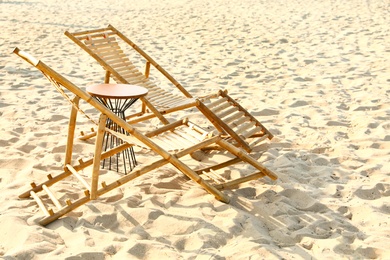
(118, 91)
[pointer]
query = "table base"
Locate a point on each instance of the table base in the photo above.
(118, 106)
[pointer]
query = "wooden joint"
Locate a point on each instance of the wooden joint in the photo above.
(68, 202)
(86, 193)
(51, 212)
(49, 176)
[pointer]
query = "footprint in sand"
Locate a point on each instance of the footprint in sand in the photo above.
(373, 193)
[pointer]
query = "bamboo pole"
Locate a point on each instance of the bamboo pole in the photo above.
(78, 176)
(97, 157)
(52, 197)
(40, 204)
(71, 132)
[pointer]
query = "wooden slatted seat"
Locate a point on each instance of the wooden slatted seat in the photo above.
(231, 118)
(169, 144)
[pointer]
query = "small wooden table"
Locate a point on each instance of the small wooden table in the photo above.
(118, 98)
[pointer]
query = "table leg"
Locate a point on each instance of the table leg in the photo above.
(118, 106)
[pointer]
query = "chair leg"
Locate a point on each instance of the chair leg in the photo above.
(71, 130)
(98, 155)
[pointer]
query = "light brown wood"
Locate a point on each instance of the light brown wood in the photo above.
(257, 140)
(230, 110)
(52, 197)
(71, 132)
(40, 203)
(78, 176)
(97, 156)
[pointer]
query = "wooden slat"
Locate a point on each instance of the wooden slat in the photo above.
(252, 132)
(135, 74)
(174, 141)
(226, 112)
(40, 203)
(257, 140)
(107, 50)
(216, 103)
(173, 101)
(52, 197)
(101, 41)
(188, 137)
(103, 50)
(220, 107)
(160, 97)
(118, 63)
(240, 121)
(78, 176)
(233, 117)
(91, 33)
(168, 143)
(244, 127)
(94, 31)
(165, 128)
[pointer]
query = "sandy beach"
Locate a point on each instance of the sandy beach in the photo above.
(315, 73)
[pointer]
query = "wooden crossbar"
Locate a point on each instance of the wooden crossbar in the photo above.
(52, 197)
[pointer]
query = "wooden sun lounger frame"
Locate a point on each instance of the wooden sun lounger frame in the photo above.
(92, 191)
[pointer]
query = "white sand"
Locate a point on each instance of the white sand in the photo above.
(316, 73)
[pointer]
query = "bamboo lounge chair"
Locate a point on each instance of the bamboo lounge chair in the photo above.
(104, 46)
(223, 112)
(181, 137)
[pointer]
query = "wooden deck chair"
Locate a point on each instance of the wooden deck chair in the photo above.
(104, 46)
(170, 143)
(224, 112)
